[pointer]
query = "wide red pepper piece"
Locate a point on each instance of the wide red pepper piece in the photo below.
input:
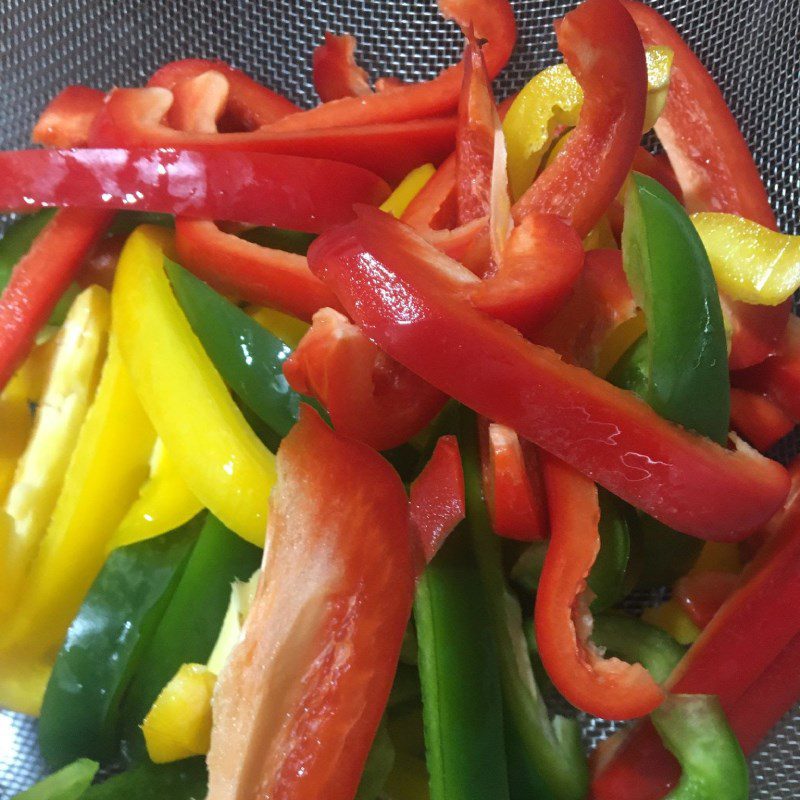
(435, 205)
(263, 189)
(734, 656)
(68, 118)
(412, 301)
(701, 594)
(133, 118)
(335, 71)
(714, 168)
(607, 688)
(603, 49)
(41, 277)
(758, 419)
(369, 396)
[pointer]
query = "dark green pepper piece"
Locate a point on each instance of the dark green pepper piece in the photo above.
(104, 644)
(181, 780)
(280, 239)
(68, 783)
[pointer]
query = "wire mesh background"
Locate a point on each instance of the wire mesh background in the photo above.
(752, 47)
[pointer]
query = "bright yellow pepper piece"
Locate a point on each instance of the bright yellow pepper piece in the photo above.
(219, 457)
(79, 350)
(554, 99)
(104, 474)
(164, 503)
(671, 618)
(22, 684)
(618, 341)
(287, 328)
(750, 262)
(407, 190)
(179, 723)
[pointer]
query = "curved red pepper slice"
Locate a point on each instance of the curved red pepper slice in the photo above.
(410, 300)
(335, 70)
(658, 169)
(298, 193)
(298, 703)
(132, 118)
(249, 104)
(68, 118)
(760, 421)
(437, 498)
(434, 206)
(493, 20)
(199, 102)
(368, 395)
(41, 277)
(701, 594)
(260, 275)
(607, 688)
(714, 168)
(603, 49)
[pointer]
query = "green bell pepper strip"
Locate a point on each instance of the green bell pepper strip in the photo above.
(680, 367)
(249, 358)
(634, 641)
(191, 623)
(69, 783)
(181, 780)
(695, 730)
(104, 644)
(126, 221)
(296, 242)
(553, 750)
(16, 242)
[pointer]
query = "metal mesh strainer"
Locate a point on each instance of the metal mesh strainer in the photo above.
(751, 46)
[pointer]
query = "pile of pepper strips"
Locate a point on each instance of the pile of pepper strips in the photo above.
(543, 348)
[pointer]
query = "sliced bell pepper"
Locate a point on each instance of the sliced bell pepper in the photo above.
(335, 71)
(654, 167)
(68, 783)
(604, 687)
(604, 51)
(198, 103)
(434, 207)
(285, 327)
(299, 701)
(80, 713)
(186, 780)
(23, 682)
(408, 298)
(701, 593)
(398, 201)
(163, 504)
(132, 118)
(68, 118)
(369, 396)
(249, 104)
(188, 629)
(41, 277)
(752, 263)
(218, 455)
(714, 168)
(261, 188)
(493, 20)
(673, 619)
(105, 470)
(553, 100)
(261, 275)
(512, 485)
(758, 419)
(437, 497)
(694, 728)
(79, 351)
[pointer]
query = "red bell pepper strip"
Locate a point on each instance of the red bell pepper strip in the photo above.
(607, 688)
(512, 485)
(198, 103)
(368, 395)
(760, 421)
(335, 71)
(68, 118)
(412, 302)
(41, 277)
(437, 500)
(658, 169)
(132, 118)
(249, 104)
(714, 168)
(260, 275)
(701, 594)
(434, 207)
(729, 659)
(492, 20)
(264, 189)
(605, 53)
(298, 703)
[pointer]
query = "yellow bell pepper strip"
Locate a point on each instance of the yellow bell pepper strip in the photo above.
(286, 327)
(22, 684)
(218, 455)
(179, 723)
(107, 467)
(80, 348)
(164, 503)
(751, 263)
(670, 617)
(399, 200)
(552, 100)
